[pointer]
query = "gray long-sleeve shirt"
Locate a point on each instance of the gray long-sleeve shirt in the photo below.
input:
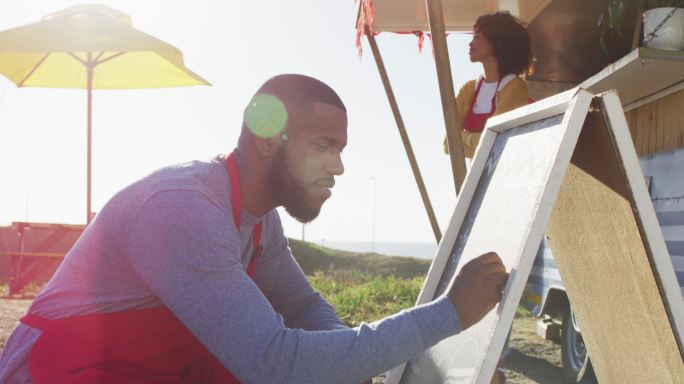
(169, 239)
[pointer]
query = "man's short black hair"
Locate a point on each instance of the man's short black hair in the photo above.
(269, 111)
(301, 89)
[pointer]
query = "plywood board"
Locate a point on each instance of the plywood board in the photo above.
(604, 251)
(505, 204)
(653, 238)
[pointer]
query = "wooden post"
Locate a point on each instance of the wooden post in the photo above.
(638, 23)
(452, 121)
(404, 135)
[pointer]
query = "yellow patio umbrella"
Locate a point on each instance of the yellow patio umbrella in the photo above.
(90, 46)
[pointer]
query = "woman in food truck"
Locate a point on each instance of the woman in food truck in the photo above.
(502, 45)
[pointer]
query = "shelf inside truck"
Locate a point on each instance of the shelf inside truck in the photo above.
(642, 75)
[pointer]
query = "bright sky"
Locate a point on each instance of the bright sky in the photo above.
(235, 45)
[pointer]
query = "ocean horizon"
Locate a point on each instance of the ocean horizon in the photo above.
(422, 250)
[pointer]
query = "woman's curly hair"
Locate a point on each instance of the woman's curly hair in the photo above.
(509, 40)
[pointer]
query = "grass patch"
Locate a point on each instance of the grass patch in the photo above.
(361, 297)
(362, 287)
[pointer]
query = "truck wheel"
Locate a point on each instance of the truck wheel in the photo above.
(575, 359)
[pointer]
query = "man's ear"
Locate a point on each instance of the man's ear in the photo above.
(268, 146)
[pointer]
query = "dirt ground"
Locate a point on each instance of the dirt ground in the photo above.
(531, 359)
(10, 312)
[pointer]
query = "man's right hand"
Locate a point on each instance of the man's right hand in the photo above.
(477, 288)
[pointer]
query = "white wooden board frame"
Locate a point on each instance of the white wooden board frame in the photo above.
(572, 107)
(564, 116)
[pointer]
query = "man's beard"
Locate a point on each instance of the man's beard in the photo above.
(289, 192)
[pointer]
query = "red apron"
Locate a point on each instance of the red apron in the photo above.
(475, 122)
(134, 346)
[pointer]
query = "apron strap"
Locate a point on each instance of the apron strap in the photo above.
(236, 207)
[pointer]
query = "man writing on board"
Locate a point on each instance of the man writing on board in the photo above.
(186, 277)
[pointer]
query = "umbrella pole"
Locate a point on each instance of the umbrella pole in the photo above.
(89, 68)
